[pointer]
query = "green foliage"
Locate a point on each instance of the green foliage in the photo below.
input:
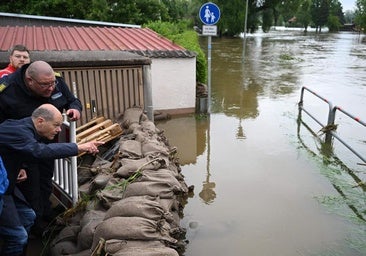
(232, 17)
(289, 9)
(177, 9)
(333, 23)
(267, 20)
(97, 10)
(168, 29)
(360, 14)
(303, 15)
(189, 40)
(151, 10)
(181, 34)
(320, 12)
(263, 12)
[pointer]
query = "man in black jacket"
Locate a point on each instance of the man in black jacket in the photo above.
(20, 94)
(20, 144)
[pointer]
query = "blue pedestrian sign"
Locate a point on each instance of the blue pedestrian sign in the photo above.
(209, 13)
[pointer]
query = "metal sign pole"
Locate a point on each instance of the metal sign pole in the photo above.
(209, 75)
(209, 14)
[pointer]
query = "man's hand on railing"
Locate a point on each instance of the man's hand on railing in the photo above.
(73, 114)
(90, 147)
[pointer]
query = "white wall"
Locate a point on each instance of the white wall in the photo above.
(173, 83)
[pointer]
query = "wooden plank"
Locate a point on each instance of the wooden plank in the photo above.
(113, 130)
(92, 122)
(94, 129)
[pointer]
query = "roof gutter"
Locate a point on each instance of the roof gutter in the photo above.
(86, 22)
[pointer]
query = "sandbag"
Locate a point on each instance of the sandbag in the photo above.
(111, 193)
(149, 147)
(131, 115)
(88, 223)
(135, 228)
(84, 174)
(157, 251)
(130, 166)
(169, 204)
(142, 136)
(163, 175)
(114, 245)
(87, 252)
(151, 188)
(63, 248)
(130, 149)
(69, 233)
(99, 182)
(139, 206)
(149, 126)
(138, 248)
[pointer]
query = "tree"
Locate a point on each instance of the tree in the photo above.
(319, 10)
(303, 14)
(260, 12)
(267, 19)
(151, 10)
(98, 10)
(360, 14)
(290, 9)
(336, 16)
(177, 9)
(232, 17)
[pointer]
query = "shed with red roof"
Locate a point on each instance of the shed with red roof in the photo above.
(113, 66)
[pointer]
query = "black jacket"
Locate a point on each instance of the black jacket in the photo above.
(17, 102)
(20, 144)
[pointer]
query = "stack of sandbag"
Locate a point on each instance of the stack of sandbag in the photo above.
(131, 202)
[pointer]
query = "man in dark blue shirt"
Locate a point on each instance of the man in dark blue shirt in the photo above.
(20, 144)
(20, 94)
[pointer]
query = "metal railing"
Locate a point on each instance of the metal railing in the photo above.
(331, 118)
(65, 178)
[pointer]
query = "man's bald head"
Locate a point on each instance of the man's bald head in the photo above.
(47, 120)
(39, 68)
(47, 111)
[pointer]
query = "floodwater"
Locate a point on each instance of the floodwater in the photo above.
(264, 182)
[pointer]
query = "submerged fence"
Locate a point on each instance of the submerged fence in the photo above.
(330, 126)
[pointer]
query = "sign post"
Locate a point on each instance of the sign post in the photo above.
(209, 15)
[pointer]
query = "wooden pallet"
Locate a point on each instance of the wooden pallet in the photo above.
(99, 129)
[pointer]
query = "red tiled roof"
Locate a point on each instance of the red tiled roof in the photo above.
(70, 38)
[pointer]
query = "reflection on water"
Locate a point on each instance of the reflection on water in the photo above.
(264, 184)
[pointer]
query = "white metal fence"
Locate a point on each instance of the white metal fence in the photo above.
(65, 178)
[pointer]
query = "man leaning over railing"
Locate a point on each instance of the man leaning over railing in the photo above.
(21, 144)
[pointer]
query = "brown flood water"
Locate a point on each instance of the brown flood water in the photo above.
(263, 185)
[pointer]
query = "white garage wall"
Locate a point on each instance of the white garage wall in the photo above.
(174, 84)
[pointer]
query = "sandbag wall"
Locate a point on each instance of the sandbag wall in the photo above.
(131, 198)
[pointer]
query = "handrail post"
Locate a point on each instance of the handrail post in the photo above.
(301, 102)
(74, 168)
(331, 118)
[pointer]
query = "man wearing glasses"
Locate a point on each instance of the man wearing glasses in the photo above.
(20, 94)
(19, 55)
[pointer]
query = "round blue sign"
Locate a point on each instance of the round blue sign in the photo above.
(209, 13)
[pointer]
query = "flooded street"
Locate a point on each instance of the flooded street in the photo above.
(263, 183)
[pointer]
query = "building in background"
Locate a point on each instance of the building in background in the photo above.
(112, 66)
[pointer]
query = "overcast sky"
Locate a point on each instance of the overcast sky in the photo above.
(348, 4)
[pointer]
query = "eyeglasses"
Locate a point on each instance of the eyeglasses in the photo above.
(46, 85)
